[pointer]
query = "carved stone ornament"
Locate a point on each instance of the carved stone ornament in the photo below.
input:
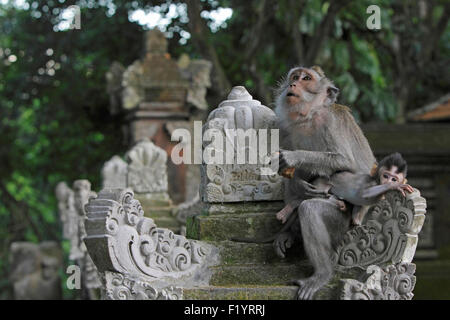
(114, 173)
(147, 168)
(394, 282)
(125, 287)
(239, 182)
(68, 215)
(156, 77)
(388, 233)
(71, 210)
(121, 240)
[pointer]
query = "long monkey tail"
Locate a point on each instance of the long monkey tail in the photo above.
(286, 226)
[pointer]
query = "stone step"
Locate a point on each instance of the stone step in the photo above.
(153, 212)
(242, 207)
(241, 293)
(259, 274)
(169, 223)
(256, 253)
(226, 226)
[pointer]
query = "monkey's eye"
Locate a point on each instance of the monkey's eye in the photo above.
(385, 176)
(295, 78)
(306, 77)
(394, 179)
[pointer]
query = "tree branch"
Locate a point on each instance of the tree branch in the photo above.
(200, 31)
(323, 30)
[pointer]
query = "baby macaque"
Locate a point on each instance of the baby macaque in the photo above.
(361, 190)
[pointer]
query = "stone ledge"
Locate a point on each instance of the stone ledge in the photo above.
(241, 293)
(262, 274)
(227, 226)
(256, 253)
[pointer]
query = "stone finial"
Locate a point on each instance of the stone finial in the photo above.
(155, 42)
(147, 168)
(114, 173)
(233, 182)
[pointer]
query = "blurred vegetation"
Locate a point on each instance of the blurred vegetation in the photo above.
(54, 119)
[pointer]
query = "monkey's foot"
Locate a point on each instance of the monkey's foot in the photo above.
(309, 286)
(341, 205)
(284, 213)
(283, 242)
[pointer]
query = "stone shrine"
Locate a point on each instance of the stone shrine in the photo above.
(142, 261)
(155, 92)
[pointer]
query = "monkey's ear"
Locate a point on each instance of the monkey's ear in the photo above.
(374, 170)
(318, 70)
(332, 93)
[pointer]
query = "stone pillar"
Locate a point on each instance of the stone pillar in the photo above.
(238, 190)
(114, 173)
(35, 270)
(72, 214)
(147, 177)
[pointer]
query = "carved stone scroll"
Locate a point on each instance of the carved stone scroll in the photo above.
(394, 282)
(147, 170)
(149, 259)
(388, 233)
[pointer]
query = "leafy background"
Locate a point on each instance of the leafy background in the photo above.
(54, 118)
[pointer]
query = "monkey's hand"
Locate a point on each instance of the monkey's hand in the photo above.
(311, 190)
(287, 159)
(404, 187)
(282, 242)
(284, 213)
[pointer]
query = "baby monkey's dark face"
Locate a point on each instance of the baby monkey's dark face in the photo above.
(391, 175)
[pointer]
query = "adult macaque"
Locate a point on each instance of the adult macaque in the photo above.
(361, 190)
(319, 138)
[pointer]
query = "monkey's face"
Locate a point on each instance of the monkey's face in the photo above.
(391, 175)
(306, 89)
(303, 85)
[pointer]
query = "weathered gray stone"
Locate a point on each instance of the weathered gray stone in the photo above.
(198, 74)
(122, 241)
(90, 276)
(389, 233)
(147, 170)
(35, 270)
(71, 210)
(154, 78)
(114, 173)
(239, 182)
(69, 218)
(394, 282)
